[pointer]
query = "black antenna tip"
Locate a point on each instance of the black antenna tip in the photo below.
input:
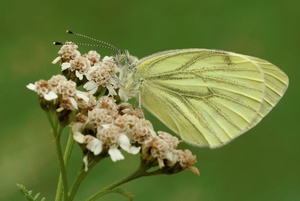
(70, 32)
(58, 43)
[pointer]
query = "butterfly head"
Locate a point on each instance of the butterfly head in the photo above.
(127, 76)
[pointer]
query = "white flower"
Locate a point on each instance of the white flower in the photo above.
(78, 137)
(79, 75)
(111, 90)
(57, 59)
(123, 95)
(83, 96)
(86, 163)
(65, 66)
(115, 154)
(126, 146)
(31, 86)
(92, 143)
(95, 146)
(48, 95)
(91, 86)
(73, 102)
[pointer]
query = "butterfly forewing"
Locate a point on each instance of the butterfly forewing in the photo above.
(209, 97)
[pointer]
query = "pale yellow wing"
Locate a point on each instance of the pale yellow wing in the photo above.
(209, 97)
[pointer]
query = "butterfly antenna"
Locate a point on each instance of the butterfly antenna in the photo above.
(84, 44)
(106, 45)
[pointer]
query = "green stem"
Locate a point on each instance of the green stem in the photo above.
(49, 116)
(142, 171)
(67, 155)
(62, 186)
(80, 177)
(56, 134)
(63, 174)
(69, 148)
(59, 192)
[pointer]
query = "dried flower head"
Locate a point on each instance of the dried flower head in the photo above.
(60, 94)
(102, 74)
(93, 57)
(67, 52)
(80, 65)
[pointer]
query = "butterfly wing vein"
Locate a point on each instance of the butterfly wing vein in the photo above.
(209, 97)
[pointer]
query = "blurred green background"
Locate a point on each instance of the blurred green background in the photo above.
(263, 164)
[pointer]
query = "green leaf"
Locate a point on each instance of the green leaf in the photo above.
(28, 194)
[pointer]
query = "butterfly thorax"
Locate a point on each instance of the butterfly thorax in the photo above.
(129, 83)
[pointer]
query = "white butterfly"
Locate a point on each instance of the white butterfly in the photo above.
(208, 97)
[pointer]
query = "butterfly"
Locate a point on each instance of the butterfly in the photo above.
(208, 97)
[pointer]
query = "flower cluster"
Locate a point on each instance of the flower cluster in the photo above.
(110, 127)
(88, 69)
(61, 94)
(104, 127)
